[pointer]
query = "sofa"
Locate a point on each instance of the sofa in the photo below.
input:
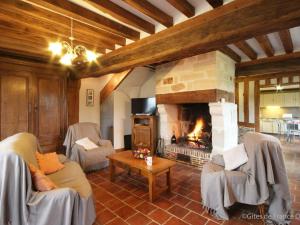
(71, 203)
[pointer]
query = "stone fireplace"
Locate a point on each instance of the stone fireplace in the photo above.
(195, 102)
(194, 126)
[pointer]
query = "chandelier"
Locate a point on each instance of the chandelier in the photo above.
(70, 54)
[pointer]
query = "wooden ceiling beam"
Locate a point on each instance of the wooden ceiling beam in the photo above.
(229, 52)
(152, 11)
(215, 3)
(31, 27)
(265, 44)
(79, 13)
(113, 84)
(40, 39)
(36, 16)
(246, 48)
(123, 15)
(275, 64)
(233, 22)
(286, 40)
(183, 6)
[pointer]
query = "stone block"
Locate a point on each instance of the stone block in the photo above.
(178, 87)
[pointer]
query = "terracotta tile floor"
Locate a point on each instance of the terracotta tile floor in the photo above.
(126, 200)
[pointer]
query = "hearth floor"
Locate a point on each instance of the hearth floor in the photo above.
(126, 200)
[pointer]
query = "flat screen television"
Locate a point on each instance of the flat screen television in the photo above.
(143, 106)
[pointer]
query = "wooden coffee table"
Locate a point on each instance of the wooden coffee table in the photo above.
(160, 166)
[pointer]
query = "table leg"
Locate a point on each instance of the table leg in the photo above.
(169, 180)
(151, 180)
(112, 170)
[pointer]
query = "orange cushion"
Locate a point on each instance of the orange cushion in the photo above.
(49, 162)
(40, 181)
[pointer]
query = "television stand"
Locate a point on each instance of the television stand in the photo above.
(144, 132)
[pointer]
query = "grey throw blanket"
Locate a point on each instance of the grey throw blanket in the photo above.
(92, 159)
(70, 204)
(262, 179)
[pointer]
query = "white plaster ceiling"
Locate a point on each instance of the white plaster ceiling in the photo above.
(201, 6)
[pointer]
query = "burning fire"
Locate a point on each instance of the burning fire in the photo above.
(196, 133)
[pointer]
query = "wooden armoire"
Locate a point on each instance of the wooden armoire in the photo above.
(33, 98)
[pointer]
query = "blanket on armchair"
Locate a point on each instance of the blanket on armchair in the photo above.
(89, 160)
(262, 179)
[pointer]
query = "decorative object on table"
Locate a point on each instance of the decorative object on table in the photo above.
(160, 147)
(141, 153)
(149, 160)
(89, 97)
(173, 138)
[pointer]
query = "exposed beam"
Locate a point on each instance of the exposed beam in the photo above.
(18, 54)
(79, 13)
(246, 48)
(38, 12)
(233, 22)
(150, 10)
(113, 84)
(265, 44)
(202, 96)
(272, 65)
(123, 15)
(215, 3)
(229, 52)
(50, 22)
(183, 6)
(286, 40)
(16, 28)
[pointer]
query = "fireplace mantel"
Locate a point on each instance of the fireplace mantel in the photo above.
(200, 96)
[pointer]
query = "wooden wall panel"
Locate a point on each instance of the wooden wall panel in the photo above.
(49, 112)
(14, 105)
(73, 87)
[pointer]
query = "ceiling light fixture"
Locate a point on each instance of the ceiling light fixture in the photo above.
(70, 54)
(279, 87)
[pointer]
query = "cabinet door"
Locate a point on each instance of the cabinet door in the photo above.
(142, 136)
(262, 100)
(49, 112)
(268, 126)
(278, 99)
(268, 99)
(15, 105)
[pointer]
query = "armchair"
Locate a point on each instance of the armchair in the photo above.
(261, 181)
(89, 160)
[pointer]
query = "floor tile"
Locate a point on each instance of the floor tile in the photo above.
(138, 219)
(160, 216)
(175, 221)
(146, 208)
(178, 211)
(125, 212)
(105, 216)
(194, 219)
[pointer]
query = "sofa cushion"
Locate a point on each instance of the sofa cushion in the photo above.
(40, 181)
(86, 143)
(235, 157)
(48, 162)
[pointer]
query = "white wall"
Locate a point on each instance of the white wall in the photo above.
(121, 121)
(91, 113)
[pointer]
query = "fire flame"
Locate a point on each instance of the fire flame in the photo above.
(196, 133)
